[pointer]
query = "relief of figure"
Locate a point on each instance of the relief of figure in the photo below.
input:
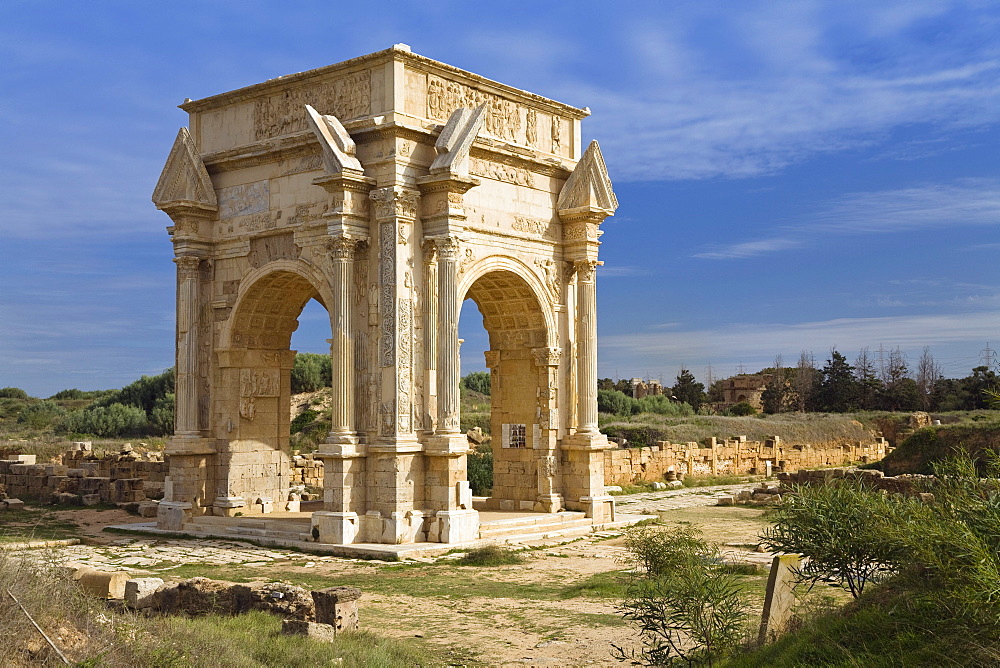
(531, 129)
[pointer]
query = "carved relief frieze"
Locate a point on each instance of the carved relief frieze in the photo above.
(244, 200)
(254, 384)
(305, 213)
(556, 134)
(547, 268)
(280, 114)
(503, 117)
(498, 172)
(257, 222)
(534, 226)
(271, 248)
(360, 277)
(468, 258)
(310, 163)
(531, 128)
(387, 419)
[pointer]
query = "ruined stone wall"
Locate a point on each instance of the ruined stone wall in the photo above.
(735, 456)
(112, 478)
(306, 470)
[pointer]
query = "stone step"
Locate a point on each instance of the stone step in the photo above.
(536, 519)
(540, 529)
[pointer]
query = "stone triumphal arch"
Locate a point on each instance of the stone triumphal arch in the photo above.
(389, 188)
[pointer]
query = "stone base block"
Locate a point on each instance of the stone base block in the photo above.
(337, 607)
(396, 529)
(549, 503)
(139, 592)
(103, 584)
(335, 528)
(599, 508)
(297, 627)
(12, 504)
(171, 515)
(458, 526)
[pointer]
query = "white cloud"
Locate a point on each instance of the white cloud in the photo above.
(761, 341)
(960, 203)
(787, 84)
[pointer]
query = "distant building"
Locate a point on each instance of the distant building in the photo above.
(648, 388)
(748, 388)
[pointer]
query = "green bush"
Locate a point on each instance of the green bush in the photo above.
(302, 420)
(161, 418)
(687, 607)
(491, 555)
(39, 415)
(479, 464)
(842, 528)
(478, 381)
(742, 408)
(311, 372)
(112, 421)
(12, 393)
(637, 435)
(616, 403)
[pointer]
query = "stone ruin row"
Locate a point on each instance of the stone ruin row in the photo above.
(733, 456)
(125, 479)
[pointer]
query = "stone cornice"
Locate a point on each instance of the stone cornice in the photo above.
(392, 54)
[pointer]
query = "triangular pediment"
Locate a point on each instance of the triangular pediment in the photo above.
(339, 150)
(184, 179)
(589, 185)
(456, 139)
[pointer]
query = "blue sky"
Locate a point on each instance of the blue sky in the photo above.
(792, 175)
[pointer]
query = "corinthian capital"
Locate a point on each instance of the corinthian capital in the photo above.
(394, 202)
(187, 265)
(586, 270)
(448, 247)
(343, 247)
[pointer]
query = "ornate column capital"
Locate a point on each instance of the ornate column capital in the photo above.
(492, 359)
(448, 246)
(394, 202)
(546, 356)
(586, 269)
(343, 247)
(187, 265)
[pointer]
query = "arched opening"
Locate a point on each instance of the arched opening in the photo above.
(255, 391)
(515, 324)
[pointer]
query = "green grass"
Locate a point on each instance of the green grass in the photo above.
(255, 639)
(611, 584)
(33, 524)
(491, 555)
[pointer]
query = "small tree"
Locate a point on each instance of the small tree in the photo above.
(686, 607)
(689, 390)
(841, 528)
(478, 381)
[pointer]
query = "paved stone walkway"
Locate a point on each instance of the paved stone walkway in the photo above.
(163, 555)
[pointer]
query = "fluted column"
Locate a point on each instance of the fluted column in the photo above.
(343, 429)
(448, 364)
(586, 336)
(186, 417)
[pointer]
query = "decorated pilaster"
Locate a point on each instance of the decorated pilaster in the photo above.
(549, 483)
(443, 221)
(348, 229)
(584, 202)
(186, 194)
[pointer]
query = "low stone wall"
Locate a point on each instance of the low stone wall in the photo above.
(734, 456)
(306, 470)
(83, 478)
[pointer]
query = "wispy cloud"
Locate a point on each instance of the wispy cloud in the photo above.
(963, 202)
(688, 109)
(761, 341)
(750, 249)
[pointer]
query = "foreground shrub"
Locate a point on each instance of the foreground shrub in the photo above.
(491, 555)
(687, 607)
(843, 528)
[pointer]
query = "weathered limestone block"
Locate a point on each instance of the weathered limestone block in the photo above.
(103, 584)
(779, 599)
(140, 592)
(11, 504)
(338, 607)
(298, 627)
